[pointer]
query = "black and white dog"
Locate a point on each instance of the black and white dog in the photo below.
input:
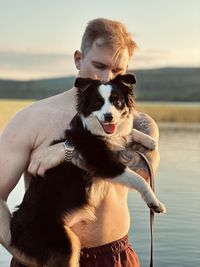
(40, 227)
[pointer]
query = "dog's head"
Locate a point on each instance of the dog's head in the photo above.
(106, 109)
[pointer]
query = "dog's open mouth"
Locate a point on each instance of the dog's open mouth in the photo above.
(109, 128)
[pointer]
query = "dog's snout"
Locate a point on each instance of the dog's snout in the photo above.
(108, 117)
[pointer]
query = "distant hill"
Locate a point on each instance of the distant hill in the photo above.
(34, 89)
(165, 84)
(168, 84)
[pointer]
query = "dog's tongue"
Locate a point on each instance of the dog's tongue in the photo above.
(109, 128)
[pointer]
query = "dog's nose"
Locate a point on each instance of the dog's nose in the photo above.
(108, 117)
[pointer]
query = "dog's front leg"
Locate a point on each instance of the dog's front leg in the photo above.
(132, 180)
(143, 139)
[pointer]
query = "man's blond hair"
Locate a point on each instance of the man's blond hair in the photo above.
(107, 33)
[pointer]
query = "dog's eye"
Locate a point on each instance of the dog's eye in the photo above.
(117, 103)
(116, 100)
(99, 102)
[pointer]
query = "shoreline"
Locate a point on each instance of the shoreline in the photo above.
(173, 126)
(186, 126)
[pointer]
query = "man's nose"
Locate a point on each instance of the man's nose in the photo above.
(106, 76)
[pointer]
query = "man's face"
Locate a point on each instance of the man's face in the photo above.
(98, 63)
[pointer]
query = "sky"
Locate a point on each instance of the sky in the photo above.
(38, 37)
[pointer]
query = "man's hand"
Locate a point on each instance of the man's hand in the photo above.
(50, 157)
(46, 158)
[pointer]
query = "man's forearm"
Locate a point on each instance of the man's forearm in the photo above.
(136, 162)
(130, 157)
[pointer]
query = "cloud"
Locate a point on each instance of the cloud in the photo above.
(144, 59)
(151, 58)
(24, 65)
(34, 65)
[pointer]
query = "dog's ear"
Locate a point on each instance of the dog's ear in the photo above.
(82, 84)
(128, 79)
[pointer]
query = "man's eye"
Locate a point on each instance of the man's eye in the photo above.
(116, 71)
(100, 67)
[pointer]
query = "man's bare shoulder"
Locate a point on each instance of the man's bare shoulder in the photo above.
(29, 114)
(42, 109)
(146, 124)
(56, 103)
(29, 121)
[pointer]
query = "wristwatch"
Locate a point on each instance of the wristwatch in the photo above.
(69, 148)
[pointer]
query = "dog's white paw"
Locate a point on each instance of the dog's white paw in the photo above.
(158, 207)
(152, 202)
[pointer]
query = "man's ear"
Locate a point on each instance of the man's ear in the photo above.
(128, 79)
(77, 59)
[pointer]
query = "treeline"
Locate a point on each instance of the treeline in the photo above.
(34, 89)
(168, 84)
(165, 84)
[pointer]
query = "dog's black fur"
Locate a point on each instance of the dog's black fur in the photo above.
(36, 226)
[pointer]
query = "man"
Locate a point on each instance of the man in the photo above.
(24, 146)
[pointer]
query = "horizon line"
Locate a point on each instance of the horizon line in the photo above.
(60, 76)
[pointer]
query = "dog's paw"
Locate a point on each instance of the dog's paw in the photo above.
(157, 207)
(152, 201)
(150, 143)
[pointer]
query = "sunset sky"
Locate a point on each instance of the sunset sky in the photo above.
(38, 37)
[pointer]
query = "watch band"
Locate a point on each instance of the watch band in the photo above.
(69, 148)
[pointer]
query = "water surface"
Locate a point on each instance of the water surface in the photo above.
(177, 233)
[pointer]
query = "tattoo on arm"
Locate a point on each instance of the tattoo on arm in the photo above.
(135, 162)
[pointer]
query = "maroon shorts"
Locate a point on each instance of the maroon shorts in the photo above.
(116, 254)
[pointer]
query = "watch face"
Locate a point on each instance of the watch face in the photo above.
(69, 146)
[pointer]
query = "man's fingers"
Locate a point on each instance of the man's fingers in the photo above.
(52, 157)
(41, 171)
(41, 166)
(32, 169)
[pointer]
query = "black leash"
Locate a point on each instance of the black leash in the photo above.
(151, 212)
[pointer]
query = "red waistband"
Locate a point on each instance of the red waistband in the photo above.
(113, 247)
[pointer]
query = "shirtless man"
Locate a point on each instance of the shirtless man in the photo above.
(24, 146)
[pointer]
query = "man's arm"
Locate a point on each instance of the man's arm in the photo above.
(132, 159)
(15, 147)
(14, 155)
(16, 143)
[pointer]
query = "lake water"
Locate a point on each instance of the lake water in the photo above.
(177, 233)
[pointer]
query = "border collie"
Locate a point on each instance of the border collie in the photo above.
(40, 227)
